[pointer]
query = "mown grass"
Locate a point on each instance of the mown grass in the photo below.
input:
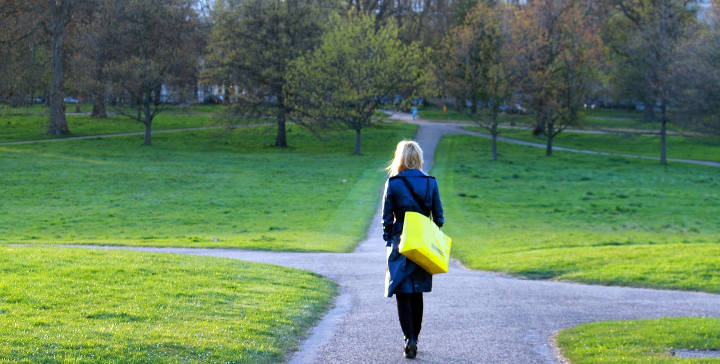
(30, 123)
(685, 147)
(621, 119)
(580, 217)
(77, 305)
(589, 119)
(640, 341)
(226, 188)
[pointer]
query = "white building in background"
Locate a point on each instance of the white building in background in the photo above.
(702, 7)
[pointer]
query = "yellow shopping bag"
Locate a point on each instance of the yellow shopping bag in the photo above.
(423, 243)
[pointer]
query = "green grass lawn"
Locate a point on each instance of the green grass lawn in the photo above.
(580, 217)
(685, 147)
(641, 341)
(30, 123)
(78, 305)
(219, 188)
(589, 119)
(620, 119)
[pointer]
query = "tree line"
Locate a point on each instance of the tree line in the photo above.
(555, 56)
(333, 63)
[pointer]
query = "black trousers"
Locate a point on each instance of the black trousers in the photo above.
(410, 312)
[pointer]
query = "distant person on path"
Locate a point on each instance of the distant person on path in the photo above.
(408, 189)
(414, 112)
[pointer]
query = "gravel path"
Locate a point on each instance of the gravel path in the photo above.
(402, 116)
(470, 317)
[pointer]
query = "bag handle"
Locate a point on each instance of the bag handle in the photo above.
(421, 202)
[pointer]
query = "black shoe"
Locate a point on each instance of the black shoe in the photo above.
(410, 348)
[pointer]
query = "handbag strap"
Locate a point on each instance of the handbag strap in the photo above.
(416, 197)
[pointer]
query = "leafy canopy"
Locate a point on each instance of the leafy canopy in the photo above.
(356, 67)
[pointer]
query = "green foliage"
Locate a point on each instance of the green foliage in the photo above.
(470, 63)
(77, 305)
(640, 341)
(223, 188)
(251, 44)
(586, 218)
(459, 10)
(344, 80)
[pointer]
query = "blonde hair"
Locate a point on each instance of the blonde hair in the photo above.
(408, 155)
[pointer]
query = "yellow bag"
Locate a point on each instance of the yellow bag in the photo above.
(423, 243)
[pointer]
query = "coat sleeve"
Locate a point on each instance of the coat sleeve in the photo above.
(437, 210)
(388, 218)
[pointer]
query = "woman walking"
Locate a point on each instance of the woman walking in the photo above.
(408, 189)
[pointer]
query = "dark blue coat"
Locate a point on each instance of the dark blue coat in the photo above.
(404, 276)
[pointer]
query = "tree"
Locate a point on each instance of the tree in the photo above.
(57, 18)
(93, 47)
(459, 10)
(424, 21)
(649, 34)
(23, 52)
(554, 52)
(472, 64)
(345, 79)
(697, 76)
(251, 44)
(153, 43)
(60, 14)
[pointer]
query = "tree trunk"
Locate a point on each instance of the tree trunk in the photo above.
(226, 99)
(550, 135)
(473, 108)
(548, 146)
(99, 110)
(281, 137)
(148, 122)
(358, 149)
(494, 146)
(77, 107)
(59, 13)
(157, 94)
(649, 112)
(663, 134)
(494, 132)
(459, 104)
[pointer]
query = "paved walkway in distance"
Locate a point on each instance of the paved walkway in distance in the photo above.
(470, 317)
(403, 116)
